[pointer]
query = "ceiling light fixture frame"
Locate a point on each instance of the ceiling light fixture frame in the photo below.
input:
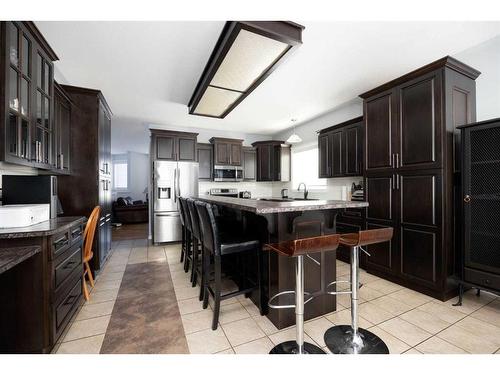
(282, 31)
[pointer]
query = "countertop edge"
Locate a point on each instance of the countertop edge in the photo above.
(60, 224)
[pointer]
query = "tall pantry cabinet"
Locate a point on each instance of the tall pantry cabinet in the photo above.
(411, 171)
(90, 182)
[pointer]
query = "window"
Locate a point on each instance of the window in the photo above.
(305, 168)
(120, 174)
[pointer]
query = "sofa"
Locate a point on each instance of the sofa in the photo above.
(127, 211)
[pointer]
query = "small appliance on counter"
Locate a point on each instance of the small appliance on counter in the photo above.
(245, 195)
(23, 215)
(357, 192)
(284, 193)
(231, 193)
(31, 190)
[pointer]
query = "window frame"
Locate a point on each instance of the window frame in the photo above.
(311, 185)
(121, 159)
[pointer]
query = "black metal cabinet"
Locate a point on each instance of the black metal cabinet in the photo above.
(173, 145)
(481, 205)
(205, 161)
(340, 149)
(26, 96)
(249, 164)
(408, 172)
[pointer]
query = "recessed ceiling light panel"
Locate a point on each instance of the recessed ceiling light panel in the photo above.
(246, 53)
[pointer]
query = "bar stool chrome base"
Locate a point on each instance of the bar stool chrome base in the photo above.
(340, 340)
(291, 347)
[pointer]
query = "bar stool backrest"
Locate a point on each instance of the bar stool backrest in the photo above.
(187, 218)
(368, 237)
(208, 227)
(195, 221)
(181, 211)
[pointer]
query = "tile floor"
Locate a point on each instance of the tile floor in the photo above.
(409, 322)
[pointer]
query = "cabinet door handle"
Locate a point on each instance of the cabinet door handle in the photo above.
(467, 198)
(397, 160)
(397, 181)
(393, 182)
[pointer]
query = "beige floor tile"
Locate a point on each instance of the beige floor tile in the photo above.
(424, 320)
(345, 300)
(373, 313)
(410, 297)
(189, 306)
(442, 311)
(366, 277)
(404, 331)
(481, 328)
(412, 351)
(265, 324)
(384, 286)
(250, 306)
(395, 345)
(181, 283)
(176, 267)
(316, 329)
(102, 296)
(326, 350)
(470, 302)
(102, 285)
(242, 331)
(88, 327)
(207, 341)
(227, 351)
(489, 313)
(344, 318)
(368, 294)
(119, 268)
(94, 310)
(435, 345)
(232, 312)
(186, 293)
(392, 305)
(260, 346)
(88, 345)
(225, 302)
(110, 276)
(197, 321)
(288, 334)
(462, 338)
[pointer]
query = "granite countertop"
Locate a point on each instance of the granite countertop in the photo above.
(12, 256)
(45, 228)
(260, 206)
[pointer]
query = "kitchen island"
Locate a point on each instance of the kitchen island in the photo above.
(274, 220)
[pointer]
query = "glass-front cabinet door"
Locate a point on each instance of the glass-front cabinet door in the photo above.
(43, 124)
(19, 79)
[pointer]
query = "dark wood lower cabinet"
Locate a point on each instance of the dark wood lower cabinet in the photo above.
(41, 294)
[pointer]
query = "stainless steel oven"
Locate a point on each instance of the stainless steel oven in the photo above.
(228, 173)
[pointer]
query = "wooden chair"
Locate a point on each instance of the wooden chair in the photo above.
(88, 240)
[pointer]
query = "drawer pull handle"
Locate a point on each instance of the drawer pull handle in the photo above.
(61, 242)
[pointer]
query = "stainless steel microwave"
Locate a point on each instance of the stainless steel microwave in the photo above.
(228, 173)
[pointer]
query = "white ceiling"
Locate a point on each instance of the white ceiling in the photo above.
(148, 70)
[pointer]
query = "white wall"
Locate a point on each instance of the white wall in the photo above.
(138, 169)
(485, 57)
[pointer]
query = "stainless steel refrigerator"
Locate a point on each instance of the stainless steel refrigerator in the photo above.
(171, 180)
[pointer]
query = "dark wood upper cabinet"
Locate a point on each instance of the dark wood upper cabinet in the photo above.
(173, 145)
(62, 129)
(26, 96)
(249, 164)
(205, 160)
(340, 149)
(227, 151)
(273, 161)
(410, 158)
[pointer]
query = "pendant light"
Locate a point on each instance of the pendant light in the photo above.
(294, 138)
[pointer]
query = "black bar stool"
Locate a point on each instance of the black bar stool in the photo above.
(217, 244)
(196, 236)
(183, 231)
(344, 339)
(298, 249)
(188, 255)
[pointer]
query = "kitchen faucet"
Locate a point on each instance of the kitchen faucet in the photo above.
(305, 189)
